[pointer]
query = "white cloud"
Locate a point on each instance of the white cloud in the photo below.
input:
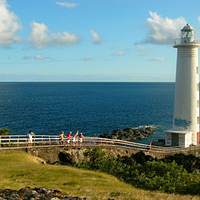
(120, 53)
(163, 30)
(87, 58)
(96, 39)
(9, 25)
(199, 19)
(39, 39)
(26, 57)
(39, 57)
(143, 50)
(66, 4)
(157, 59)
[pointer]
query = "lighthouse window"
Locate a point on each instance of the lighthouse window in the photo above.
(197, 120)
(198, 104)
(197, 86)
(197, 70)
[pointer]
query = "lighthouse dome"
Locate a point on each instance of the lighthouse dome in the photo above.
(187, 27)
(187, 34)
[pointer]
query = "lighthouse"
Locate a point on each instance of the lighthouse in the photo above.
(185, 131)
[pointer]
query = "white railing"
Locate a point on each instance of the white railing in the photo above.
(41, 141)
(179, 41)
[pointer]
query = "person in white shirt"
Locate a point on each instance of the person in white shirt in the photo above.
(30, 138)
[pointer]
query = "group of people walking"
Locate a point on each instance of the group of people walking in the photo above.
(75, 138)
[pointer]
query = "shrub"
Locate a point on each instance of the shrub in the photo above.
(167, 177)
(155, 175)
(4, 131)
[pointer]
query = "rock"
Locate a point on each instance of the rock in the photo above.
(135, 159)
(37, 193)
(65, 158)
(189, 162)
(139, 157)
(128, 134)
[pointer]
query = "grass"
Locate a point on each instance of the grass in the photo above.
(19, 169)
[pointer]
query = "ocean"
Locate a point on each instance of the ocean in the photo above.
(90, 107)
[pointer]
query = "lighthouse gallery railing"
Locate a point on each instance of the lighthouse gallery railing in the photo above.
(179, 41)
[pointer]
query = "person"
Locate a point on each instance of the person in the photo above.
(61, 137)
(80, 139)
(74, 138)
(30, 138)
(68, 137)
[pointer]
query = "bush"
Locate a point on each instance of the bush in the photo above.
(4, 131)
(155, 175)
(167, 177)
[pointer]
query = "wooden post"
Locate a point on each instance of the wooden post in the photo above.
(42, 141)
(49, 141)
(18, 143)
(9, 142)
(34, 141)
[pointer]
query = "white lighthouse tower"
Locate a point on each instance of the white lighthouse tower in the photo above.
(185, 130)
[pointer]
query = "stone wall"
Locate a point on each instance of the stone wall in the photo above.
(71, 155)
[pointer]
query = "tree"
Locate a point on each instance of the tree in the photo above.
(4, 131)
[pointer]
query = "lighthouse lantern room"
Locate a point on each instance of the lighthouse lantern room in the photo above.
(185, 131)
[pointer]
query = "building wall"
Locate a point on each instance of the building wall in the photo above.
(186, 109)
(168, 139)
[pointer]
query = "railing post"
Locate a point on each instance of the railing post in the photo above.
(34, 142)
(18, 142)
(42, 141)
(57, 142)
(9, 142)
(49, 141)
(0, 142)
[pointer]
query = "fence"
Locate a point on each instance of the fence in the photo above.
(179, 41)
(42, 141)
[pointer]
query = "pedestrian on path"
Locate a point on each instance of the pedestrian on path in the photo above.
(30, 138)
(61, 137)
(68, 138)
(80, 139)
(74, 138)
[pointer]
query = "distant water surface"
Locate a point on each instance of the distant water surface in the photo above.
(92, 108)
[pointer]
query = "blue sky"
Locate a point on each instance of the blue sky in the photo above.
(92, 40)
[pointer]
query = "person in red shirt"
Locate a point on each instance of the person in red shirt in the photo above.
(68, 137)
(80, 139)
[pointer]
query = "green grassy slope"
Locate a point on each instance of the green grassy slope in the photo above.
(19, 169)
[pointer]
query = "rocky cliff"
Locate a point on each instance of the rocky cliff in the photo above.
(128, 134)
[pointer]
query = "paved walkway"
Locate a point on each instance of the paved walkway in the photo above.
(42, 141)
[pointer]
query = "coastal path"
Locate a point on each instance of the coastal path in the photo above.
(42, 141)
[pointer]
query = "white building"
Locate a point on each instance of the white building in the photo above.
(185, 130)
